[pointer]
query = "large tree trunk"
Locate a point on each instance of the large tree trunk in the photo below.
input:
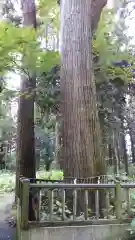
(81, 131)
(81, 147)
(96, 9)
(25, 134)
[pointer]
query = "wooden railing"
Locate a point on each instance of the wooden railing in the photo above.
(78, 191)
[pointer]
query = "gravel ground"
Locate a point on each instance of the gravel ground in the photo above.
(6, 232)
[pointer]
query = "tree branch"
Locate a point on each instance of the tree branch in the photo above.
(97, 7)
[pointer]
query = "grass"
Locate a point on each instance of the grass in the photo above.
(7, 179)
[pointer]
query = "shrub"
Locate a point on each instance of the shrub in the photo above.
(7, 179)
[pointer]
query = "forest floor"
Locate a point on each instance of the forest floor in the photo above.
(6, 202)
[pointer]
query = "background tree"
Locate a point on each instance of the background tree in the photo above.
(25, 132)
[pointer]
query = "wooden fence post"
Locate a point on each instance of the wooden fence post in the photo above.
(25, 204)
(19, 192)
(51, 200)
(118, 201)
(86, 204)
(128, 199)
(74, 201)
(74, 204)
(63, 204)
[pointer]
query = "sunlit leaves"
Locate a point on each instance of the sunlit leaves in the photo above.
(17, 42)
(13, 42)
(47, 60)
(48, 8)
(109, 49)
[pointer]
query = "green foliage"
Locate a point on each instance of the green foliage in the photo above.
(48, 92)
(45, 147)
(57, 208)
(102, 43)
(46, 61)
(7, 179)
(52, 175)
(49, 12)
(24, 44)
(108, 49)
(109, 45)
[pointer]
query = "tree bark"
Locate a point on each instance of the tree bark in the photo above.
(81, 141)
(25, 129)
(110, 154)
(132, 138)
(131, 119)
(131, 127)
(97, 7)
(81, 130)
(125, 156)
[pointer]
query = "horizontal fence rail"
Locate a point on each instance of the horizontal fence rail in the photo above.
(73, 186)
(61, 202)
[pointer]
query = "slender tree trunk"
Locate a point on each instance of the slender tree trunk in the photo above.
(81, 146)
(55, 163)
(110, 154)
(125, 156)
(132, 138)
(104, 136)
(25, 133)
(116, 156)
(122, 141)
(131, 121)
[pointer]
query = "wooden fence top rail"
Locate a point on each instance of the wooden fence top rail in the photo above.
(62, 185)
(73, 186)
(80, 186)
